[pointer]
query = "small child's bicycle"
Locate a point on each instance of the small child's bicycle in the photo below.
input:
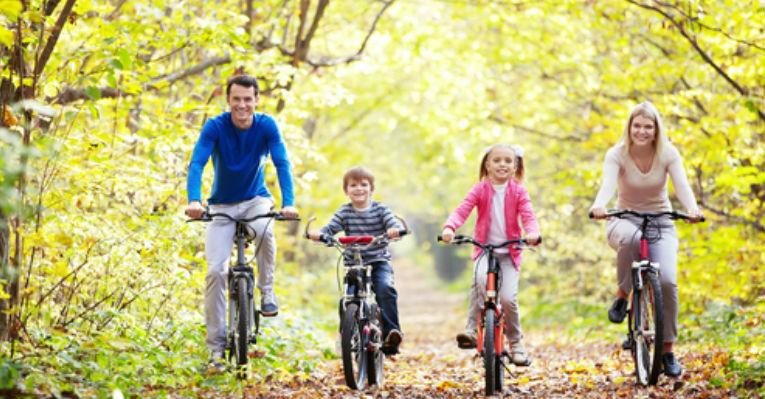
(645, 337)
(243, 318)
(491, 323)
(360, 318)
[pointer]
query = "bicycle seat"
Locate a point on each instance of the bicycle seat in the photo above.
(355, 240)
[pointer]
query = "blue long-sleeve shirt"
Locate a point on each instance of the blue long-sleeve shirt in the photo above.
(239, 160)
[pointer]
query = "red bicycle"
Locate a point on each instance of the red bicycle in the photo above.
(491, 324)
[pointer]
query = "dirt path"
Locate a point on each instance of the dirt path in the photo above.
(431, 365)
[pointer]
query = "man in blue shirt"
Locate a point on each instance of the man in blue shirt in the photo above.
(239, 142)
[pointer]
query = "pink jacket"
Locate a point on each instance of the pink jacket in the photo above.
(517, 203)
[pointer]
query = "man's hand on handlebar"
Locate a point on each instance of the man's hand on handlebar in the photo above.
(195, 210)
(289, 212)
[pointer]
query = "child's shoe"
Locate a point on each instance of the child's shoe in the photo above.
(467, 339)
(518, 355)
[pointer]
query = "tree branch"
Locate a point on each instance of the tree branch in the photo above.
(695, 44)
(53, 39)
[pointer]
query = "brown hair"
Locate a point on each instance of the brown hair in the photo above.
(519, 170)
(358, 173)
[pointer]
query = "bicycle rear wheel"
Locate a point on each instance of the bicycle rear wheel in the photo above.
(647, 330)
(242, 334)
(490, 357)
(353, 350)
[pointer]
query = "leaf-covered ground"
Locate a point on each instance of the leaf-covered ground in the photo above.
(431, 366)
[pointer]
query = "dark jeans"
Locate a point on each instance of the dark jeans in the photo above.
(385, 295)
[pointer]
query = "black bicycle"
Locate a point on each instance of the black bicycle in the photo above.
(360, 317)
(491, 325)
(243, 321)
(645, 337)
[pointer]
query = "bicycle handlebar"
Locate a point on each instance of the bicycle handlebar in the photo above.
(207, 217)
(674, 215)
(463, 239)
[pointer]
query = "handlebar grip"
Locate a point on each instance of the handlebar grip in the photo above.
(402, 233)
(439, 238)
(591, 215)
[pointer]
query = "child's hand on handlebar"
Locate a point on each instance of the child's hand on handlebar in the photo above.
(314, 235)
(393, 232)
(447, 235)
(533, 239)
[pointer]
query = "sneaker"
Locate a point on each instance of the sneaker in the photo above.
(392, 341)
(618, 311)
(467, 339)
(269, 307)
(518, 355)
(672, 367)
(217, 363)
(627, 344)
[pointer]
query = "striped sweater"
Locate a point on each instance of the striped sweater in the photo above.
(373, 221)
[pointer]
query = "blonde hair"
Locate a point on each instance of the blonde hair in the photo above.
(519, 170)
(647, 110)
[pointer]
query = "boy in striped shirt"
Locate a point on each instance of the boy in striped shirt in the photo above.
(362, 216)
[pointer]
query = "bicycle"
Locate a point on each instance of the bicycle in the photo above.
(243, 315)
(645, 337)
(360, 317)
(491, 324)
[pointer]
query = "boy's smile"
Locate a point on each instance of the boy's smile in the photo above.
(359, 192)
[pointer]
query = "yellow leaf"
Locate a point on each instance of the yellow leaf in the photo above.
(10, 8)
(59, 269)
(6, 37)
(3, 295)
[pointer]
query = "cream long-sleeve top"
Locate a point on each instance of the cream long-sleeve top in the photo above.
(644, 192)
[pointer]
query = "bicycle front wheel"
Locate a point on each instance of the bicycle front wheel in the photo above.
(353, 350)
(490, 356)
(647, 330)
(376, 375)
(242, 333)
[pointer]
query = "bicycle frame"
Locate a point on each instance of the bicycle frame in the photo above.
(236, 342)
(646, 344)
(362, 355)
(490, 346)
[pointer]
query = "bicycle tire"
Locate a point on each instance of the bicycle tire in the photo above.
(647, 327)
(489, 354)
(242, 333)
(353, 351)
(375, 372)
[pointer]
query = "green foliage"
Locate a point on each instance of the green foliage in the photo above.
(112, 277)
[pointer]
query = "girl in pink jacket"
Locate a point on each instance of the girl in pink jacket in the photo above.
(501, 201)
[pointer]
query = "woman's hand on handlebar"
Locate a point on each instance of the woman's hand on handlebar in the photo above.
(695, 215)
(598, 213)
(194, 210)
(447, 235)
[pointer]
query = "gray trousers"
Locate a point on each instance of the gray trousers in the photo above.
(624, 237)
(218, 245)
(508, 294)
